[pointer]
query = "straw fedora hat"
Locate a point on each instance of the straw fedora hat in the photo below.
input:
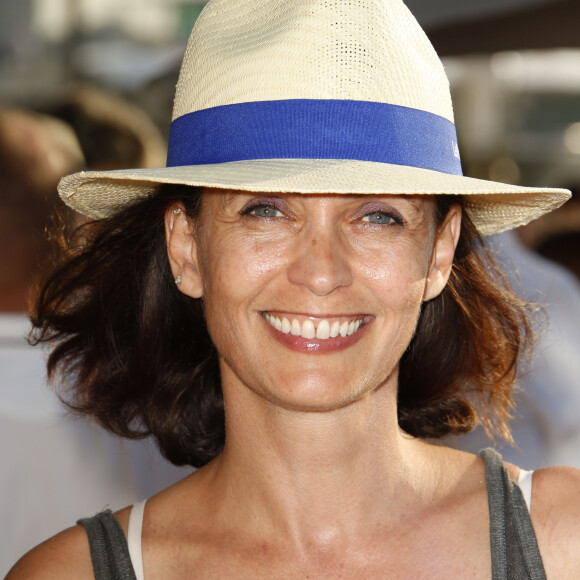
(313, 96)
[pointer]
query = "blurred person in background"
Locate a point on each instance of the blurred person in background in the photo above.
(113, 133)
(54, 466)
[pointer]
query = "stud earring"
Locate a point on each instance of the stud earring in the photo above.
(178, 279)
(177, 210)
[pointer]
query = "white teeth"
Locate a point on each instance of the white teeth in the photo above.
(323, 331)
(335, 328)
(295, 329)
(308, 329)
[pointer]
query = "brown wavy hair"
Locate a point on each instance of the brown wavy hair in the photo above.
(134, 353)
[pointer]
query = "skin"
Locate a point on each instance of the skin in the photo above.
(316, 479)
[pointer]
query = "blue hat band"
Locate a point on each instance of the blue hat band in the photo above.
(315, 129)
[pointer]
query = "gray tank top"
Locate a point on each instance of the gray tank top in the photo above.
(514, 549)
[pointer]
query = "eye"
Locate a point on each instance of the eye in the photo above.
(380, 218)
(266, 211)
(263, 208)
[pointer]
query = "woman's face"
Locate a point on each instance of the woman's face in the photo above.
(311, 300)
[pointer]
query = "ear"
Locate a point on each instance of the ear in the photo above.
(443, 252)
(182, 251)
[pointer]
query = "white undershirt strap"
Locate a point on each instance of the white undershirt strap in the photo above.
(525, 483)
(134, 538)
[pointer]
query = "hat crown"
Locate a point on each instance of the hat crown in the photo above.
(365, 50)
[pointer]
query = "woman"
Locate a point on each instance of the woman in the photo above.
(267, 319)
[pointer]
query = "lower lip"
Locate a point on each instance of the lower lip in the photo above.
(317, 346)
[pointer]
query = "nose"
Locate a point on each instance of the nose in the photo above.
(320, 263)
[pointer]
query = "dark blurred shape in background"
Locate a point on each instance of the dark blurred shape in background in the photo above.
(495, 25)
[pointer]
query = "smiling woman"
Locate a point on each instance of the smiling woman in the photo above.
(295, 305)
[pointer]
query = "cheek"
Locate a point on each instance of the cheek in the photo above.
(242, 264)
(262, 259)
(397, 272)
(234, 271)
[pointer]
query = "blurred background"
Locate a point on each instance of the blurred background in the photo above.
(49, 49)
(89, 84)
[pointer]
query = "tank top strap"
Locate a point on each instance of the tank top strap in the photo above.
(514, 548)
(134, 534)
(109, 550)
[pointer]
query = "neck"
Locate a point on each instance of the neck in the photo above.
(319, 473)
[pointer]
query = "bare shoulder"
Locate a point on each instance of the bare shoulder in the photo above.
(556, 518)
(66, 555)
(556, 498)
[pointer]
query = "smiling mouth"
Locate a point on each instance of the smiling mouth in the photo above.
(322, 328)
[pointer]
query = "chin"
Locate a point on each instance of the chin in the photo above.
(316, 393)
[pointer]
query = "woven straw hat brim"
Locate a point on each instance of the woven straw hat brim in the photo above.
(492, 206)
